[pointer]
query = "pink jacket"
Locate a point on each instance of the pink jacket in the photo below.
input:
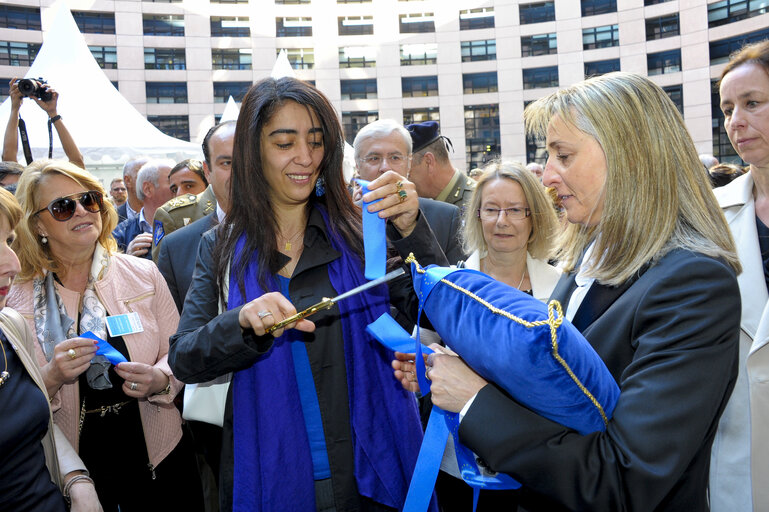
(130, 284)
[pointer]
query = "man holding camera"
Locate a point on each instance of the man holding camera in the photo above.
(46, 98)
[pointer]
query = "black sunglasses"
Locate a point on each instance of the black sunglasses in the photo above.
(63, 208)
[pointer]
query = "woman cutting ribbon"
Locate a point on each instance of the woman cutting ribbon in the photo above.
(314, 399)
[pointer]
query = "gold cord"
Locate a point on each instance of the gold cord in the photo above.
(4, 375)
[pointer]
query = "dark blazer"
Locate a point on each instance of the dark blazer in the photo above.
(122, 212)
(670, 339)
(176, 256)
(446, 221)
(127, 231)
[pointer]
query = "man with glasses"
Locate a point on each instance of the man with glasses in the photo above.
(386, 145)
(118, 192)
(431, 169)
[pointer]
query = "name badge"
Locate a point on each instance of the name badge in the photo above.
(120, 325)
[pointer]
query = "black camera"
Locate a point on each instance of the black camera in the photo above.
(31, 87)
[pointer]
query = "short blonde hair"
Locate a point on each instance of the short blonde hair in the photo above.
(544, 222)
(34, 256)
(9, 208)
(656, 196)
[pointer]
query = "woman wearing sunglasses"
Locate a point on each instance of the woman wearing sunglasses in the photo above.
(39, 464)
(121, 419)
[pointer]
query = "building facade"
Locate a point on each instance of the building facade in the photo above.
(472, 65)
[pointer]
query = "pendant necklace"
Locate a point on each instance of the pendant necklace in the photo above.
(288, 241)
(4, 375)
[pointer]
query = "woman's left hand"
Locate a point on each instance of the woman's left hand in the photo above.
(453, 383)
(399, 201)
(141, 380)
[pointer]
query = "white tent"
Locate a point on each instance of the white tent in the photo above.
(231, 111)
(104, 125)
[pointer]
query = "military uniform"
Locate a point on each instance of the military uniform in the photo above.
(179, 212)
(459, 191)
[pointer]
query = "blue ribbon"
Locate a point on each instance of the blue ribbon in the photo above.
(105, 349)
(374, 238)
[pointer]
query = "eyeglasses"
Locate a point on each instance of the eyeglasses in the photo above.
(514, 213)
(63, 208)
(396, 160)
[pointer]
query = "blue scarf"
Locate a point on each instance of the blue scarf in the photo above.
(273, 463)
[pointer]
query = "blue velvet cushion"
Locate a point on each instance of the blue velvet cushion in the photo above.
(521, 344)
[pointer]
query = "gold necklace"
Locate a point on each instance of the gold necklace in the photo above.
(4, 375)
(288, 241)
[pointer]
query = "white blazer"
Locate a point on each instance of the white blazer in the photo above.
(542, 275)
(739, 472)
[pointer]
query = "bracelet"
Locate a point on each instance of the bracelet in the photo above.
(54, 118)
(167, 390)
(71, 482)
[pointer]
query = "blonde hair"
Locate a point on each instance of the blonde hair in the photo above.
(544, 222)
(9, 208)
(34, 256)
(656, 196)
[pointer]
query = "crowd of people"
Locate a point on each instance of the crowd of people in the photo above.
(143, 367)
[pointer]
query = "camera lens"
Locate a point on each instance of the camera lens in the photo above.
(27, 87)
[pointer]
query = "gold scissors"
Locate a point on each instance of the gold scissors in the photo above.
(327, 303)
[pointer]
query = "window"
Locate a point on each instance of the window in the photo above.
(481, 134)
(353, 121)
(360, 89)
(485, 49)
(18, 54)
(230, 26)
(600, 37)
(166, 92)
(721, 49)
(231, 58)
(163, 25)
(115, 85)
(106, 56)
(722, 147)
(663, 62)
(293, 27)
(223, 91)
(593, 7)
(601, 67)
(729, 11)
(676, 95)
(357, 57)
(536, 13)
(476, 83)
(23, 18)
(417, 23)
(164, 58)
(175, 126)
(654, 2)
(664, 26)
(355, 25)
(471, 19)
(416, 54)
(420, 115)
(537, 78)
(95, 22)
(5, 88)
(413, 86)
(301, 58)
(542, 44)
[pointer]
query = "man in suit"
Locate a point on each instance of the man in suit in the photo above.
(431, 169)
(130, 208)
(386, 145)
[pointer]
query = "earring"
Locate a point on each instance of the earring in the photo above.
(44, 240)
(319, 187)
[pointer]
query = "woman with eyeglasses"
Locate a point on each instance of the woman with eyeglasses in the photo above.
(120, 419)
(509, 229)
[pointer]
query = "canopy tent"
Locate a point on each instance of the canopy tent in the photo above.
(104, 125)
(231, 111)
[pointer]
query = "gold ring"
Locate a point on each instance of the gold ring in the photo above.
(399, 185)
(72, 354)
(402, 195)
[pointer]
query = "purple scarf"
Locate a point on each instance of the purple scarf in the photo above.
(273, 465)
